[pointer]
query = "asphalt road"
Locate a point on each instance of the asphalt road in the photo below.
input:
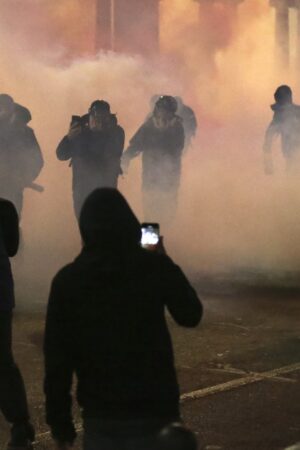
(239, 371)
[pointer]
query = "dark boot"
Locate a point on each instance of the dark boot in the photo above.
(22, 436)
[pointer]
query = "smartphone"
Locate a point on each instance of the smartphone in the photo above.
(80, 121)
(150, 234)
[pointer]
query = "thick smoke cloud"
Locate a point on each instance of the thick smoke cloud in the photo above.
(53, 92)
(230, 214)
(236, 216)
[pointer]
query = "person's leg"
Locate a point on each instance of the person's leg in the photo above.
(93, 439)
(13, 401)
(119, 435)
(147, 442)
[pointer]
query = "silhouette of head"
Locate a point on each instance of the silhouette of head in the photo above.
(6, 106)
(177, 437)
(22, 115)
(100, 106)
(166, 103)
(99, 114)
(283, 95)
(106, 220)
(153, 100)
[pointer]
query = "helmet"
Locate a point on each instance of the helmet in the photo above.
(100, 105)
(167, 102)
(6, 101)
(6, 106)
(283, 94)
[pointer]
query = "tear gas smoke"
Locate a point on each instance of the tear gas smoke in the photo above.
(230, 214)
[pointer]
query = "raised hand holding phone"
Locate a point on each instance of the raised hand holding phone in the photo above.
(151, 239)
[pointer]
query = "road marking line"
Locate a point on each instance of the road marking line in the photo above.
(194, 395)
(243, 372)
(254, 378)
(47, 435)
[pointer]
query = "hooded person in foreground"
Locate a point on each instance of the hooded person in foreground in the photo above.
(106, 323)
(13, 400)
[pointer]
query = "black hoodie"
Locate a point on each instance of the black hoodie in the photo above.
(106, 323)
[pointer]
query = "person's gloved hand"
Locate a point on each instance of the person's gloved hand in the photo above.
(74, 131)
(157, 248)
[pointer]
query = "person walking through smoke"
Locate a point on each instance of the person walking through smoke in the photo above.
(20, 156)
(106, 323)
(13, 402)
(94, 145)
(286, 124)
(161, 141)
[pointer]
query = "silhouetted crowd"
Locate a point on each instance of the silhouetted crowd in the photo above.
(106, 313)
(106, 320)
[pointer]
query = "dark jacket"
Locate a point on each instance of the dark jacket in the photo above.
(95, 157)
(190, 123)
(20, 156)
(286, 123)
(106, 323)
(162, 150)
(9, 242)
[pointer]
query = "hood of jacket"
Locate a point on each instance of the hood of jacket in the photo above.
(107, 222)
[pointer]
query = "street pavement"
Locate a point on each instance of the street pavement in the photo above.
(239, 371)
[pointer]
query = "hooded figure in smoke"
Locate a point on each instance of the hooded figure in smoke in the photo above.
(286, 124)
(20, 156)
(94, 145)
(161, 141)
(13, 400)
(106, 323)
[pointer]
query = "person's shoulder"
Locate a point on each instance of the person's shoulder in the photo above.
(296, 108)
(148, 123)
(64, 274)
(28, 129)
(24, 131)
(188, 110)
(120, 129)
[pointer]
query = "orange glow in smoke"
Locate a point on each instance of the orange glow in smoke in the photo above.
(65, 27)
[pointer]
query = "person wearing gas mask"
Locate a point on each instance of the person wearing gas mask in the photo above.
(20, 156)
(286, 124)
(161, 141)
(188, 116)
(94, 146)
